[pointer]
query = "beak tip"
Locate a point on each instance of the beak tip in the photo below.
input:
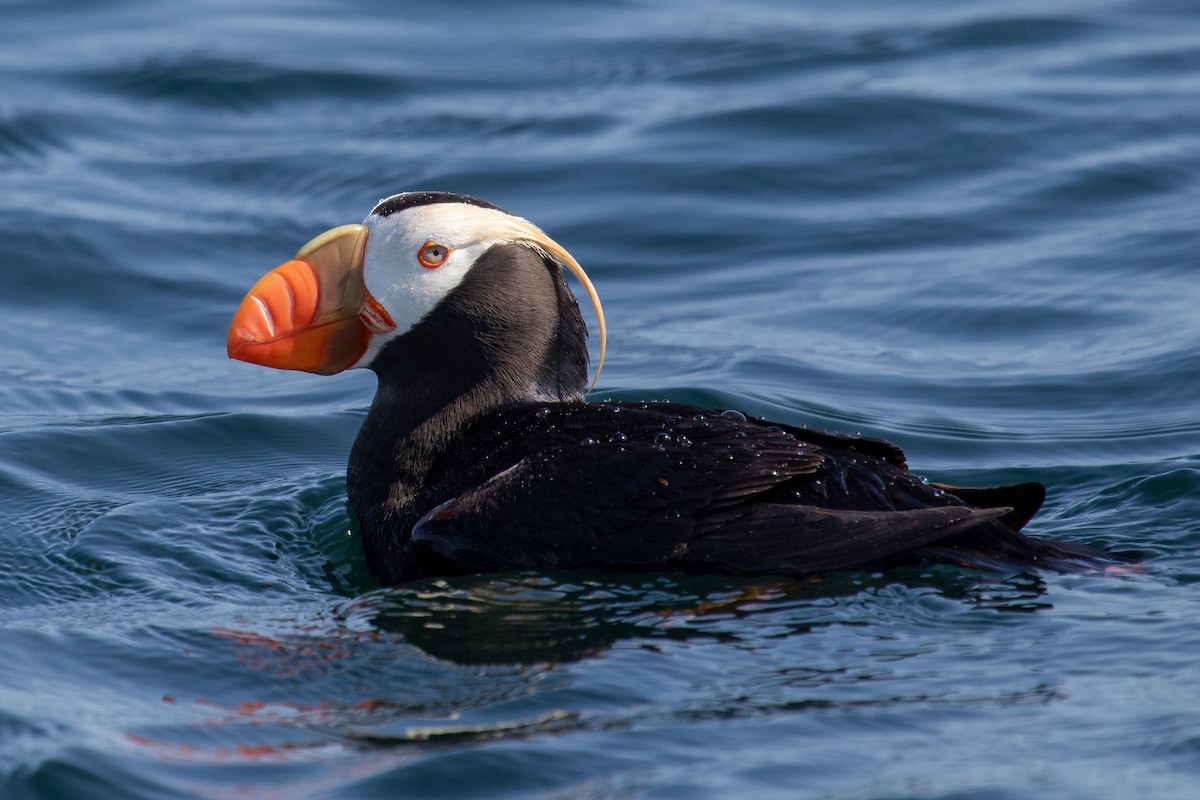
(237, 339)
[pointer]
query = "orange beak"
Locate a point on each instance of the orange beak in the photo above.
(312, 313)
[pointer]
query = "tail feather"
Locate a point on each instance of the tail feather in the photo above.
(1000, 544)
(1024, 500)
(998, 547)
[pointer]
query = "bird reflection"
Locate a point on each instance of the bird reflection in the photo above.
(542, 617)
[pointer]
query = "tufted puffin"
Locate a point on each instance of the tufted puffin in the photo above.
(480, 453)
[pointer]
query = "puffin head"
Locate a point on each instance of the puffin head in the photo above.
(423, 271)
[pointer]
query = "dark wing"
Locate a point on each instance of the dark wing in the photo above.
(642, 506)
(802, 540)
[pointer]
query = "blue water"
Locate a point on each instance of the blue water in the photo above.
(972, 228)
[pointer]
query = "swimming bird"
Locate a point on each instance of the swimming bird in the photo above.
(480, 452)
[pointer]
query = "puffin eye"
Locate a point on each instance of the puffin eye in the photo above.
(432, 255)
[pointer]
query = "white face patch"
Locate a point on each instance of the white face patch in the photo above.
(392, 268)
(409, 289)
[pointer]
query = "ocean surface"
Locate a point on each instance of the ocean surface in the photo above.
(971, 228)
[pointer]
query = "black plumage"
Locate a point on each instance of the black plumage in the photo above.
(668, 486)
(479, 452)
(456, 471)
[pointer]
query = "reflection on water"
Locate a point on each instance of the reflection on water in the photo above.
(503, 658)
(554, 618)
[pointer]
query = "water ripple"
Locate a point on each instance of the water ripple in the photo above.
(208, 80)
(970, 229)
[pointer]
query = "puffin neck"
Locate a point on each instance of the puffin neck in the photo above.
(510, 333)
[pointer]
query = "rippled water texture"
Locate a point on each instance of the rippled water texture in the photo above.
(968, 227)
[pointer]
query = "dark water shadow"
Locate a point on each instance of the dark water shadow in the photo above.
(555, 617)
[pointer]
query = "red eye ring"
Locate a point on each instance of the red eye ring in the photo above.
(432, 255)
